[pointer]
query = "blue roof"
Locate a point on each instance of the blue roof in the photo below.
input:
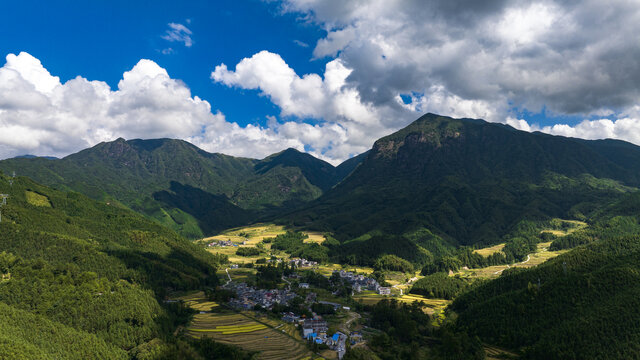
(312, 335)
(335, 337)
(318, 341)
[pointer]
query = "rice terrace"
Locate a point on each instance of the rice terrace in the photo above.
(272, 339)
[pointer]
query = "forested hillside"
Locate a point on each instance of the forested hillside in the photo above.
(163, 179)
(580, 305)
(471, 182)
(82, 279)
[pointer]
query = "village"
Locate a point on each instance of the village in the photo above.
(316, 304)
(315, 330)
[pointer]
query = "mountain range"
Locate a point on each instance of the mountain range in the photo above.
(183, 187)
(470, 181)
(86, 263)
(466, 181)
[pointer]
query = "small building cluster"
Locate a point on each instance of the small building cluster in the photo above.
(316, 330)
(315, 327)
(302, 263)
(247, 297)
(361, 282)
(221, 243)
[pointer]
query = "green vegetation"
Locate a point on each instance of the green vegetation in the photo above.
(469, 182)
(580, 305)
(183, 187)
(90, 273)
(248, 251)
(440, 286)
(36, 199)
(293, 243)
(406, 333)
(393, 263)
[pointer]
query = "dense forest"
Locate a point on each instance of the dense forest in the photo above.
(580, 305)
(406, 333)
(82, 279)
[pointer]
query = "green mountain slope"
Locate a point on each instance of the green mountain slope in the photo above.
(469, 181)
(580, 305)
(74, 268)
(162, 179)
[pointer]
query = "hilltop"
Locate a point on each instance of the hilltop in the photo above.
(468, 182)
(194, 192)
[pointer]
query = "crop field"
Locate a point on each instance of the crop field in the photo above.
(198, 302)
(496, 353)
(490, 250)
(315, 237)
(568, 225)
(431, 305)
(252, 235)
(541, 255)
(269, 337)
(327, 269)
(238, 275)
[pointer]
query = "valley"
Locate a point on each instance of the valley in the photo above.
(420, 248)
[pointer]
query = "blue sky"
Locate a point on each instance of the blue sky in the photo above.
(329, 77)
(99, 40)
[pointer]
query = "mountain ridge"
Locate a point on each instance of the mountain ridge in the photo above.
(149, 176)
(470, 181)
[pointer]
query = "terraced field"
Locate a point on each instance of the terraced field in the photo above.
(271, 338)
(431, 305)
(541, 255)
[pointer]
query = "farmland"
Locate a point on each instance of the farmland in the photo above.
(541, 255)
(271, 338)
(431, 305)
(252, 236)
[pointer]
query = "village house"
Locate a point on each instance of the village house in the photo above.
(358, 282)
(316, 326)
(384, 290)
(247, 297)
(221, 243)
(302, 263)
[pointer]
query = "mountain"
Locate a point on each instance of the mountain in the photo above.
(83, 279)
(468, 181)
(186, 188)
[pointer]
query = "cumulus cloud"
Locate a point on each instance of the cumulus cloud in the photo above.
(179, 33)
(570, 57)
(42, 116)
(349, 126)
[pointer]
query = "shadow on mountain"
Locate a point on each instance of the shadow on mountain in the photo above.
(213, 212)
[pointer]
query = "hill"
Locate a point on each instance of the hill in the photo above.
(469, 181)
(164, 179)
(580, 305)
(83, 279)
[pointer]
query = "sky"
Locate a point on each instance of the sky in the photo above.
(253, 77)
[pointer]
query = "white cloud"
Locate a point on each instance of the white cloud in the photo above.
(347, 125)
(576, 58)
(301, 43)
(41, 116)
(627, 129)
(179, 33)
